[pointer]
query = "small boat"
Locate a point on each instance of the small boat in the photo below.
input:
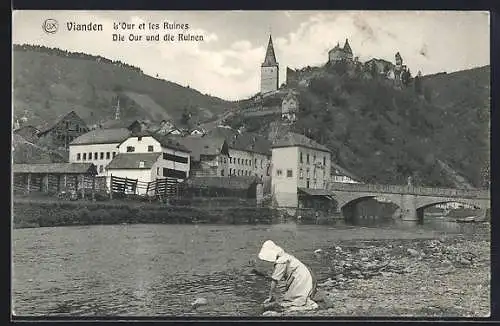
(468, 219)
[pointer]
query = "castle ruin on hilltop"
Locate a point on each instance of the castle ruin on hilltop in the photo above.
(344, 55)
(340, 54)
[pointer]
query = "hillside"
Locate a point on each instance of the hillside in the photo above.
(385, 135)
(51, 82)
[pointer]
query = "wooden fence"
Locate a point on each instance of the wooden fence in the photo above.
(162, 188)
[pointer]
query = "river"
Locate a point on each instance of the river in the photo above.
(158, 270)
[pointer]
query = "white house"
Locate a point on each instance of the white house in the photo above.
(148, 157)
(298, 163)
(341, 175)
(250, 155)
(243, 154)
(97, 146)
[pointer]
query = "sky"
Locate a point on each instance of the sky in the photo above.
(227, 62)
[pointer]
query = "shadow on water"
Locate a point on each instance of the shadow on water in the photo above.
(430, 223)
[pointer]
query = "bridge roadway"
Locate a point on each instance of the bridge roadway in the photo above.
(411, 200)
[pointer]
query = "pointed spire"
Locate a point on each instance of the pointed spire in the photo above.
(347, 47)
(270, 59)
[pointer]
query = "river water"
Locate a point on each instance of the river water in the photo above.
(158, 270)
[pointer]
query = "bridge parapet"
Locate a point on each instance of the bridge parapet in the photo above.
(398, 189)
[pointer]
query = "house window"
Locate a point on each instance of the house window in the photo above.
(157, 171)
(78, 156)
(308, 172)
(230, 160)
(114, 154)
(171, 173)
(314, 159)
(222, 172)
(139, 138)
(102, 155)
(307, 158)
(90, 156)
(239, 161)
(175, 158)
(289, 173)
(279, 172)
(108, 155)
(150, 148)
(101, 168)
(324, 161)
(225, 160)
(255, 163)
(307, 183)
(95, 155)
(301, 159)
(84, 156)
(130, 149)
(301, 175)
(250, 162)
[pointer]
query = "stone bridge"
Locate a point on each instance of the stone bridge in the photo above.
(411, 200)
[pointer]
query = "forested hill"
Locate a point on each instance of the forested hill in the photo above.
(384, 135)
(50, 82)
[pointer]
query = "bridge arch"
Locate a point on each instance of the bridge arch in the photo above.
(426, 203)
(348, 205)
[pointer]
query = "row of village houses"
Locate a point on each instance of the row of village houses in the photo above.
(292, 163)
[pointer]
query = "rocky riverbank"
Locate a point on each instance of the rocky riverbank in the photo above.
(445, 277)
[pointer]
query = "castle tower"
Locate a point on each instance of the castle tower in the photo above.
(269, 70)
(398, 69)
(399, 60)
(347, 50)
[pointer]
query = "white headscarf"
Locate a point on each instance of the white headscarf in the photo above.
(270, 251)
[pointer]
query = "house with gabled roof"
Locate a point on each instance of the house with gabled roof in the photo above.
(148, 156)
(341, 175)
(63, 131)
(97, 146)
(300, 168)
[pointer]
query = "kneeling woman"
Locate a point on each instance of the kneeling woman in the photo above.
(300, 283)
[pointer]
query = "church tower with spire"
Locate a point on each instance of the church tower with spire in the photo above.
(269, 70)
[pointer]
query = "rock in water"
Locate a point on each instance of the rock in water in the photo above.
(199, 302)
(412, 252)
(270, 313)
(329, 301)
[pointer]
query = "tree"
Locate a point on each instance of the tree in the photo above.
(428, 94)
(185, 118)
(418, 85)
(373, 70)
(405, 77)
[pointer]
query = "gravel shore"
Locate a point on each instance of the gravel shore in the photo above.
(445, 277)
